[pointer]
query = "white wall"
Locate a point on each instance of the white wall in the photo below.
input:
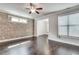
(42, 27)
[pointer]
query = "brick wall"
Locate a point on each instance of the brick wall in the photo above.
(10, 29)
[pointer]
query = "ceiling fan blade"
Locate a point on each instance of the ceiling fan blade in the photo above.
(37, 12)
(30, 4)
(39, 8)
(30, 12)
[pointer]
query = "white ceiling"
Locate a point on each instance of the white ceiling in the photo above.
(20, 8)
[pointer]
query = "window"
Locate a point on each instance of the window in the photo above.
(69, 25)
(18, 20)
(14, 19)
(22, 20)
(62, 25)
(74, 25)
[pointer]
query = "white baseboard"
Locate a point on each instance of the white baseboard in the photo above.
(6, 40)
(41, 34)
(74, 42)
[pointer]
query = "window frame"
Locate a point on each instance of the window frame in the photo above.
(68, 28)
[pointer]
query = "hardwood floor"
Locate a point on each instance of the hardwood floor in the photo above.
(23, 47)
(28, 47)
(58, 48)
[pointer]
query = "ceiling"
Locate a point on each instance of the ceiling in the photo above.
(20, 8)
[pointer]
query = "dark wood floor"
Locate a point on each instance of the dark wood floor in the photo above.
(58, 48)
(27, 47)
(22, 47)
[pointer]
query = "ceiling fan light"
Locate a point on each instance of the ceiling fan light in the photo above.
(32, 10)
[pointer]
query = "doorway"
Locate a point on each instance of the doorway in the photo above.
(43, 26)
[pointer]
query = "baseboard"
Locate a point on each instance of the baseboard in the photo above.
(74, 44)
(19, 38)
(40, 35)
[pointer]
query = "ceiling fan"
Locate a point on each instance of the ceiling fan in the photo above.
(33, 8)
